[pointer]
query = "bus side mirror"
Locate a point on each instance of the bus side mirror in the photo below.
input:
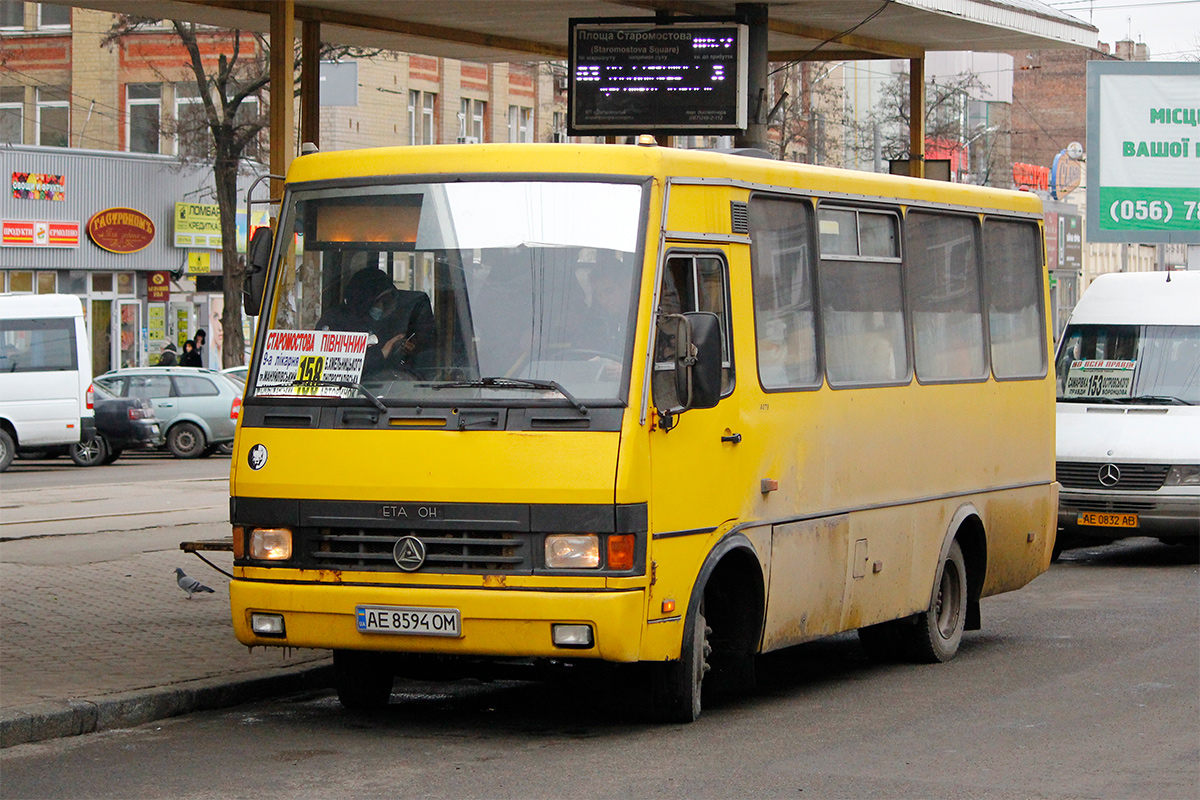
(254, 283)
(687, 364)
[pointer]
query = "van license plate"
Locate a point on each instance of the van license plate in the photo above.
(409, 621)
(1108, 520)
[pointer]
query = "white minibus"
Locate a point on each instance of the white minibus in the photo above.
(45, 374)
(1128, 371)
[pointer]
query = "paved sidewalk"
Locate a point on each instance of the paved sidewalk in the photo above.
(113, 643)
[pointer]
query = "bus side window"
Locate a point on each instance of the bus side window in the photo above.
(694, 282)
(781, 257)
(861, 289)
(1013, 269)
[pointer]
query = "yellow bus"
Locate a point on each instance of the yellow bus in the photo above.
(560, 403)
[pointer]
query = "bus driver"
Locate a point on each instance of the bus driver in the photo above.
(400, 322)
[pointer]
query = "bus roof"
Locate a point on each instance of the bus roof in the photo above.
(592, 159)
(1140, 298)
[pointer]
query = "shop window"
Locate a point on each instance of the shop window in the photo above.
(143, 117)
(53, 117)
(20, 282)
(125, 283)
(102, 283)
(53, 16)
(12, 114)
(47, 282)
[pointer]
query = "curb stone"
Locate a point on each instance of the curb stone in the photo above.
(59, 718)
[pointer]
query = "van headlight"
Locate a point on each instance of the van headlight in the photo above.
(1183, 475)
(572, 551)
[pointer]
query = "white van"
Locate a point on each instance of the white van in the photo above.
(1128, 370)
(45, 373)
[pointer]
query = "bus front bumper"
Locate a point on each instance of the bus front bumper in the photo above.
(494, 622)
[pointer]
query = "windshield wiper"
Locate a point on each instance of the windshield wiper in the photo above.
(512, 383)
(1165, 399)
(358, 387)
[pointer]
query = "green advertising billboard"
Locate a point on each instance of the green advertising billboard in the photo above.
(1143, 168)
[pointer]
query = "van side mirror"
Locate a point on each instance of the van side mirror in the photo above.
(254, 283)
(687, 363)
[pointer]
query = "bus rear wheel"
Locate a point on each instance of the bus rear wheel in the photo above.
(938, 632)
(675, 686)
(363, 680)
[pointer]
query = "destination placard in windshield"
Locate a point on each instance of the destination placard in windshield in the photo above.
(1100, 378)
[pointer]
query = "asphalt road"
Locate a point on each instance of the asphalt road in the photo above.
(1084, 684)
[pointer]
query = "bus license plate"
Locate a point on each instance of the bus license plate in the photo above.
(409, 621)
(1108, 520)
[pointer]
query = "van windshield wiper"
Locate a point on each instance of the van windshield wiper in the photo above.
(1165, 399)
(513, 383)
(358, 387)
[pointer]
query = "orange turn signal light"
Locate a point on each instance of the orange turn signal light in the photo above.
(620, 551)
(668, 606)
(239, 542)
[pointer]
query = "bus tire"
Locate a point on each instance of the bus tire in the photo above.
(675, 685)
(186, 440)
(363, 680)
(7, 450)
(937, 633)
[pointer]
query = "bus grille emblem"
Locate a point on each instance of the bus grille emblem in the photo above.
(1109, 475)
(409, 553)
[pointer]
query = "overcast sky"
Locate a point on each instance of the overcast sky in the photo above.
(1170, 27)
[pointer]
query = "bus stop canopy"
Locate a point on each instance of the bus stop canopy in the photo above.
(512, 30)
(531, 30)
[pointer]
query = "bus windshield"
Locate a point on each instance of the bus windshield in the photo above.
(1157, 364)
(513, 292)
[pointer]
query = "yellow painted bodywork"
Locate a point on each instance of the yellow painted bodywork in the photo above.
(870, 480)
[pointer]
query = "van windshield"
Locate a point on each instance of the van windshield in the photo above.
(514, 292)
(1130, 364)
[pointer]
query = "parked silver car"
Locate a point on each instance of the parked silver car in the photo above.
(197, 408)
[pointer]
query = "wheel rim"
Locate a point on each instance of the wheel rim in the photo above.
(90, 450)
(949, 600)
(185, 440)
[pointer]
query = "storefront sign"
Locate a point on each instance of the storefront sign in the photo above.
(158, 287)
(38, 186)
(39, 233)
(120, 230)
(198, 225)
(199, 263)
(1031, 176)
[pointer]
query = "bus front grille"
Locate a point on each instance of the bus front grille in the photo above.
(372, 549)
(1129, 477)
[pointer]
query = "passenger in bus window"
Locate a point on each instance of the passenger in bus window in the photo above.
(400, 322)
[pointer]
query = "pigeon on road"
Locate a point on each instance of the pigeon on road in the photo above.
(188, 584)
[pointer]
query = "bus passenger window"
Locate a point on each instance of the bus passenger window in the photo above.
(944, 296)
(862, 308)
(781, 257)
(1012, 267)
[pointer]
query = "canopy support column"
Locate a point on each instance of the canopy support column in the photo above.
(310, 82)
(916, 117)
(283, 57)
(755, 135)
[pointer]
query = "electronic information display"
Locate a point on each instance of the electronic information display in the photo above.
(632, 77)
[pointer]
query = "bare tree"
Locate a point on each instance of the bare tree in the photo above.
(807, 104)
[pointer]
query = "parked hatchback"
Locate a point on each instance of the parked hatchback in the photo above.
(196, 408)
(121, 423)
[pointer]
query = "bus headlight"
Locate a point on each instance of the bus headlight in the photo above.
(573, 551)
(271, 544)
(1183, 475)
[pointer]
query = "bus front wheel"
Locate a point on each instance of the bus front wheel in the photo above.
(363, 680)
(675, 685)
(938, 632)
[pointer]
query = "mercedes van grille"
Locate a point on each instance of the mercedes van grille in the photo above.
(447, 551)
(1133, 477)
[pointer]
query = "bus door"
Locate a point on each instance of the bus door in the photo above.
(694, 464)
